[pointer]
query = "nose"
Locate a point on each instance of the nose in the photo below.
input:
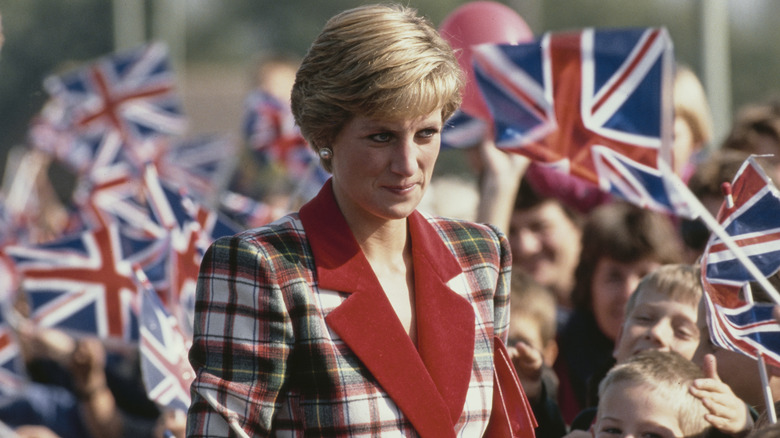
(661, 334)
(405, 160)
(528, 243)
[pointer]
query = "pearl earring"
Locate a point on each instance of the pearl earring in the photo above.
(326, 153)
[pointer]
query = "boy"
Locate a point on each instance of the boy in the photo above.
(532, 347)
(661, 315)
(647, 395)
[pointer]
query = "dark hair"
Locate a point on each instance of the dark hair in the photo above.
(626, 233)
(528, 198)
(752, 123)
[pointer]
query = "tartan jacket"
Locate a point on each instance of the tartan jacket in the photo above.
(295, 337)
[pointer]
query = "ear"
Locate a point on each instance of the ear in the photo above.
(550, 352)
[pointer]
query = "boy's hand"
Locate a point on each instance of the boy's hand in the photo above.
(528, 363)
(727, 412)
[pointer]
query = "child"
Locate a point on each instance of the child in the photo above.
(732, 387)
(532, 347)
(660, 315)
(532, 317)
(648, 395)
(621, 243)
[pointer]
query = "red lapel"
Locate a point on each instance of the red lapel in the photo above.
(429, 386)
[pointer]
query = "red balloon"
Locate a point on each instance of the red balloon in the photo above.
(478, 23)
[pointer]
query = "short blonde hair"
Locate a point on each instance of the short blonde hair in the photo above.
(679, 282)
(380, 61)
(670, 375)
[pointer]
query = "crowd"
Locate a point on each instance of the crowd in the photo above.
(603, 318)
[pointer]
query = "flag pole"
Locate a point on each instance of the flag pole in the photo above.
(767, 390)
(748, 293)
(698, 208)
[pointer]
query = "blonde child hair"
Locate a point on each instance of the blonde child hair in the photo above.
(669, 376)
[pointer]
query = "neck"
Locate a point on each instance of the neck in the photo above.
(383, 243)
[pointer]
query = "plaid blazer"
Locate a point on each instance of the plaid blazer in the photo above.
(295, 337)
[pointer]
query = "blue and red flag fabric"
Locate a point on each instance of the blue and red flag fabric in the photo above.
(752, 220)
(84, 282)
(463, 131)
(271, 133)
(595, 103)
(130, 92)
(13, 372)
(165, 369)
(203, 164)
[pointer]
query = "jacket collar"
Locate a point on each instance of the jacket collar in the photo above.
(429, 384)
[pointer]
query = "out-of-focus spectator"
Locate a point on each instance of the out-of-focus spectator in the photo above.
(692, 121)
(621, 243)
(756, 130)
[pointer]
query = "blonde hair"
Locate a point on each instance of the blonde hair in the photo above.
(380, 61)
(691, 104)
(679, 282)
(670, 375)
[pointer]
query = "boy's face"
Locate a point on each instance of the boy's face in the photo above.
(658, 322)
(636, 410)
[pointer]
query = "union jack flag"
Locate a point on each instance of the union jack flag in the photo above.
(166, 372)
(202, 164)
(735, 322)
(462, 131)
(593, 103)
(84, 282)
(12, 368)
(191, 229)
(270, 130)
(130, 92)
(247, 211)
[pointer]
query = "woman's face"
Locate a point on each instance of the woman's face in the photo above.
(381, 168)
(613, 282)
(546, 244)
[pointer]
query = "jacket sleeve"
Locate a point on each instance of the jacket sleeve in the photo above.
(501, 296)
(242, 339)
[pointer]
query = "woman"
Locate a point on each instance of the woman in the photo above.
(621, 243)
(357, 315)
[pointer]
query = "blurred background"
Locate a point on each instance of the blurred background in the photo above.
(731, 44)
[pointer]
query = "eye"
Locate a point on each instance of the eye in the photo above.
(381, 137)
(540, 227)
(428, 133)
(685, 332)
(651, 435)
(643, 318)
(610, 431)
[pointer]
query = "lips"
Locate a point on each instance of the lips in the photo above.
(400, 189)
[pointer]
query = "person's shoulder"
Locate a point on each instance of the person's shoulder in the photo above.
(448, 223)
(286, 226)
(284, 234)
(465, 237)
